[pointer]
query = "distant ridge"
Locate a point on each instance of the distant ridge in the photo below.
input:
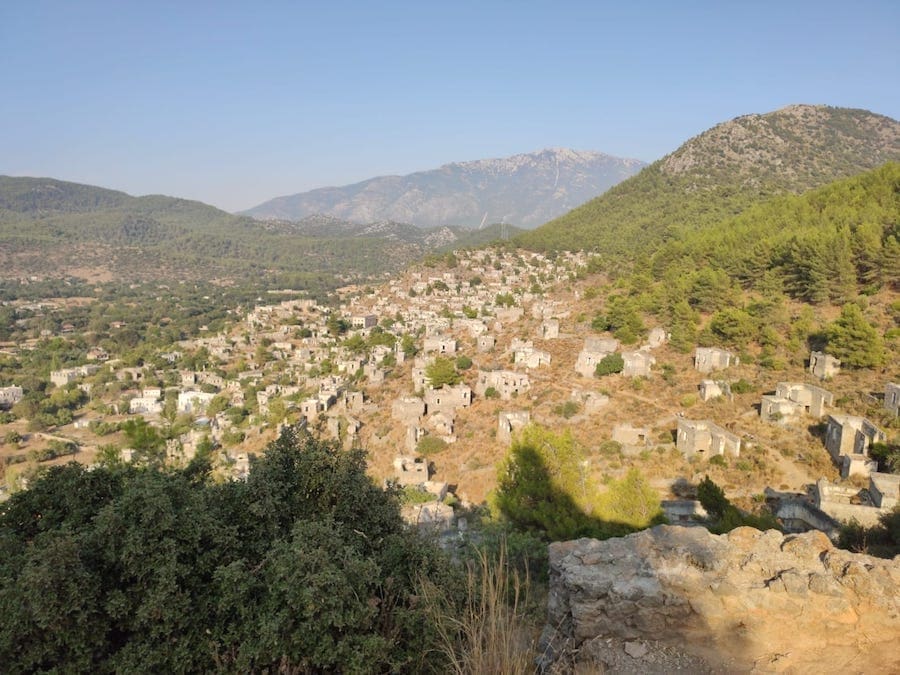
(524, 190)
(721, 172)
(54, 229)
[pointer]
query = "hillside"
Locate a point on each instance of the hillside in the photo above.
(525, 190)
(720, 173)
(51, 228)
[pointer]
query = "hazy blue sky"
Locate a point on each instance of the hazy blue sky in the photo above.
(236, 102)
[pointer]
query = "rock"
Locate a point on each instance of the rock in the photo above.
(742, 601)
(636, 650)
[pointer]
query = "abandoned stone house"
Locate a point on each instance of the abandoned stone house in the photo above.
(823, 366)
(549, 329)
(710, 389)
(442, 424)
(885, 490)
(68, 375)
(846, 502)
(440, 345)
(352, 401)
(408, 409)
(145, 405)
(448, 398)
(507, 383)
(531, 357)
(848, 439)
(374, 374)
(486, 343)
(310, 409)
(710, 359)
(892, 397)
(705, 438)
(657, 338)
(792, 399)
(9, 396)
(637, 363)
(631, 436)
(510, 422)
(595, 348)
(362, 321)
(411, 470)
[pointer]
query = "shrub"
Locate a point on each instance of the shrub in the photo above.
(304, 567)
(609, 364)
(430, 445)
(741, 387)
(491, 392)
(567, 409)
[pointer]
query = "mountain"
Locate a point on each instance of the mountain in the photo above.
(721, 172)
(525, 190)
(52, 228)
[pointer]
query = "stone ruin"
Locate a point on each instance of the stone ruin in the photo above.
(823, 366)
(705, 438)
(710, 389)
(848, 439)
(710, 359)
(411, 470)
(509, 423)
(791, 399)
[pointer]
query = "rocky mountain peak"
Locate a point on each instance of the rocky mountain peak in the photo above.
(525, 190)
(789, 148)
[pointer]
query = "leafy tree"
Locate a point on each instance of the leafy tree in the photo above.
(442, 371)
(305, 567)
(853, 340)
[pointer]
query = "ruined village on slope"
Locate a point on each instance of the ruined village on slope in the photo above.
(512, 327)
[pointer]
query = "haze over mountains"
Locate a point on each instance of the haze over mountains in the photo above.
(525, 190)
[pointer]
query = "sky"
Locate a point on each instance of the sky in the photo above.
(233, 103)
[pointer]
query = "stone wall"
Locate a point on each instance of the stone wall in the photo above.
(748, 600)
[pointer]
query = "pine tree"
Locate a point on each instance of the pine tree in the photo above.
(854, 340)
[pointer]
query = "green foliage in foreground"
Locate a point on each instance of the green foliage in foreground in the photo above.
(542, 489)
(305, 567)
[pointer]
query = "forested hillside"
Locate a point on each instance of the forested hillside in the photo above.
(51, 228)
(730, 284)
(722, 172)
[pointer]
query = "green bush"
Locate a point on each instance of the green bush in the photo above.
(304, 567)
(609, 364)
(430, 445)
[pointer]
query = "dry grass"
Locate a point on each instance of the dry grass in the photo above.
(490, 634)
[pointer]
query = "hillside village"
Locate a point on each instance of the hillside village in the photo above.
(436, 371)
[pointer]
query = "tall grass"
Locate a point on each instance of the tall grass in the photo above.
(490, 632)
